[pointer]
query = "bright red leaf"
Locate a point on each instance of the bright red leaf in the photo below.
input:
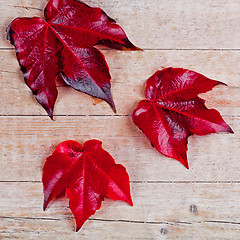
(87, 174)
(63, 45)
(173, 111)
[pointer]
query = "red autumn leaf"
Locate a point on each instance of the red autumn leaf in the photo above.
(173, 111)
(63, 45)
(87, 174)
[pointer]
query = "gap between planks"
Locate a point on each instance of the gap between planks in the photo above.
(161, 49)
(86, 115)
(124, 221)
(144, 182)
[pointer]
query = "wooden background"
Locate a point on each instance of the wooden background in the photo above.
(170, 202)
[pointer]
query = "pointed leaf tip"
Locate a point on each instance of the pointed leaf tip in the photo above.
(51, 116)
(112, 104)
(221, 83)
(133, 48)
(44, 206)
(230, 130)
(114, 109)
(48, 110)
(185, 164)
(130, 202)
(138, 49)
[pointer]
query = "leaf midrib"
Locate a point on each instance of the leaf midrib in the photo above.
(78, 60)
(181, 90)
(94, 163)
(87, 30)
(183, 113)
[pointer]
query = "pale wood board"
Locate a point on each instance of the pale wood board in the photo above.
(201, 215)
(129, 72)
(156, 24)
(27, 141)
(170, 202)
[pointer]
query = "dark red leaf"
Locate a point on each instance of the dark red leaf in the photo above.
(88, 174)
(38, 58)
(81, 74)
(173, 111)
(78, 24)
(64, 44)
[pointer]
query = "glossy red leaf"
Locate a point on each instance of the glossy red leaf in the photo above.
(173, 111)
(63, 44)
(78, 24)
(87, 174)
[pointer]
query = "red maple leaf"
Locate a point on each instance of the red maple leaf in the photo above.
(63, 45)
(173, 111)
(87, 174)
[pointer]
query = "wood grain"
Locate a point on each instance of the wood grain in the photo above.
(108, 230)
(158, 201)
(27, 141)
(156, 213)
(156, 24)
(129, 71)
(170, 202)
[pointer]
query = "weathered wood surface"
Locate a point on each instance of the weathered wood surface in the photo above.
(156, 24)
(186, 211)
(27, 141)
(129, 72)
(170, 202)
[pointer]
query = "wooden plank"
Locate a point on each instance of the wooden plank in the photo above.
(170, 202)
(155, 24)
(25, 142)
(175, 211)
(101, 230)
(130, 71)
